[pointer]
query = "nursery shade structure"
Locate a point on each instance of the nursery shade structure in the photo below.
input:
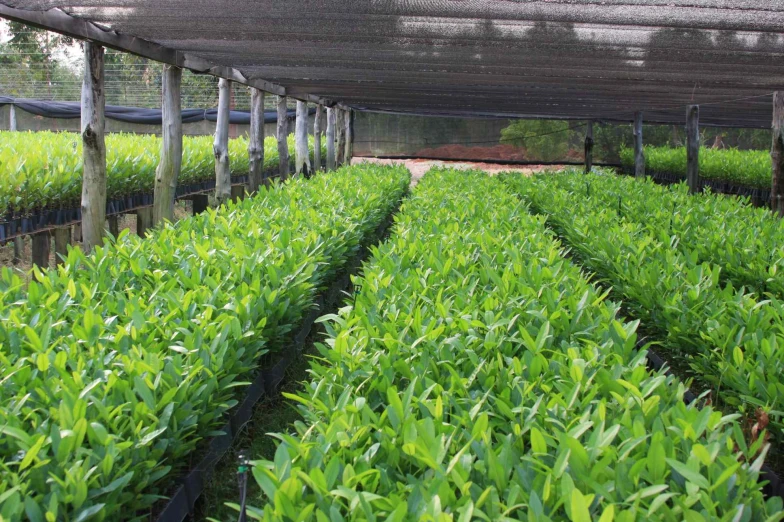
(564, 59)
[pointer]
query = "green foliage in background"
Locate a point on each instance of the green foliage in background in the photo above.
(479, 375)
(43, 170)
(546, 140)
(747, 168)
(116, 365)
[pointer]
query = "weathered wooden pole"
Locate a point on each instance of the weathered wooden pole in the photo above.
(171, 147)
(42, 243)
(220, 146)
(639, 152)
(256, 141)
(18, 249)
(341, 132)
(317, 138)
(143, 221)
(62, 238)
(348, 116)
(693, 148)
(93, 148)
(301, 153)
(282, 135)
(201, 202)
(12, 118)
(331, 117)
(589, 147)
(114, 224)
(777, 155)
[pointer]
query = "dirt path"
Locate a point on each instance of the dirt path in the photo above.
(419, 167)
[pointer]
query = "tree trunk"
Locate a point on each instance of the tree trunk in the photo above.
(301, 153)
(331, 123)
(221, 145)
(317, 138)
(282, 136)
(256, 141)
(94, 148)
(777, 155)
(171, 147)
(693, 148)
(639, 152)
(589, 147)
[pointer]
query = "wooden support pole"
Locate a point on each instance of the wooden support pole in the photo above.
(237, 193)
(93, 148)
(777, 155)
(77, 233)
(144, 221)
(331, 117)
(220, 146)
(200, 203)
(62, 238)
(639, 152)
(12, 118)
(256, 141)
(301, 153)
(114, 224)
(282, 136)
(171, 147)
(317, 138)
(18, 249)
(340, 153)
(41, 245)
(589, 147)
(693, 148)
(348, 116)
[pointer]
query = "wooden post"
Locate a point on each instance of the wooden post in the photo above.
(77, 232)
(256, 141)
(331, 138)
(200, 203)
(220, 146)
(18, 249)
(62, 238)
(12, 118)
(171, 147)
(237, 193)
(589, 147)
(301, 153)
(348, 116)
(777, 155)
(41, 245)
(317, 138)
(93, 147)
(639, 152)
(693, 148)
(340, 153)
(282, 136)
(144, 221)
(114, 224)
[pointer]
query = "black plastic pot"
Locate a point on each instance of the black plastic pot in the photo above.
(27, 225)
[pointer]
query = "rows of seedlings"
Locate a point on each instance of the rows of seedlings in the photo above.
(117, 364)
(479, 375)
(669, 275)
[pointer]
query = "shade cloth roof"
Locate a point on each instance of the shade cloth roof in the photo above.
(571, 59)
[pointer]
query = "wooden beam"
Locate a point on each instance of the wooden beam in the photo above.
(317, 138)
(693, 148)
(220, 146)
(42, 243)
(639, 151)
(777, 155)
(62, 238)
(144, 221)
(589, 147)
(93, 148)
(301, 153)
(171, 146)
(256, 141)
(282, 137)
(331, 117)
